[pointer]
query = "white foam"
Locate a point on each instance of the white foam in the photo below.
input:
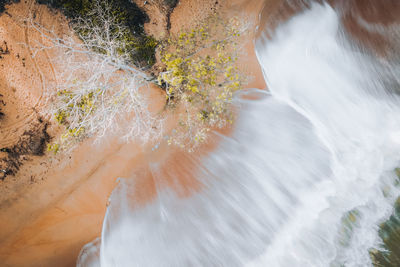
(304, 180)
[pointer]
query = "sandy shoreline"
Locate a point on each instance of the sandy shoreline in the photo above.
(56, 204)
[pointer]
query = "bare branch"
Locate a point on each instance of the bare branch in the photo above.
(97, 90)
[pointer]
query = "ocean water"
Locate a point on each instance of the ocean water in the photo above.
(305, 179)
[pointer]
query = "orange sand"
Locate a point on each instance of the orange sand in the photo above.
(56, 204)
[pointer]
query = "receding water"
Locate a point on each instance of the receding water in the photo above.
(305, 179)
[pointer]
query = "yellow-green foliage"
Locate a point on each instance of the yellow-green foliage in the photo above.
(53, 147)
(74, 110)
(201, 75)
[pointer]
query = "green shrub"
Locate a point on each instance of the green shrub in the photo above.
(140, 46)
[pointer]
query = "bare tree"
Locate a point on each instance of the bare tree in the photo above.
(98, 90)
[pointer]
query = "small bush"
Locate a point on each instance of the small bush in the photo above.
(201, 76)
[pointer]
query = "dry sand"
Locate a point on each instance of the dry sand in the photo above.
(56, 204)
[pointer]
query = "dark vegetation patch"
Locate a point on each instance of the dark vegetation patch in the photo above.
(170, 5)
(389, 232)
(4, 49)
(140, 46)
(3, 3)
(2, 104)
(31, 143)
